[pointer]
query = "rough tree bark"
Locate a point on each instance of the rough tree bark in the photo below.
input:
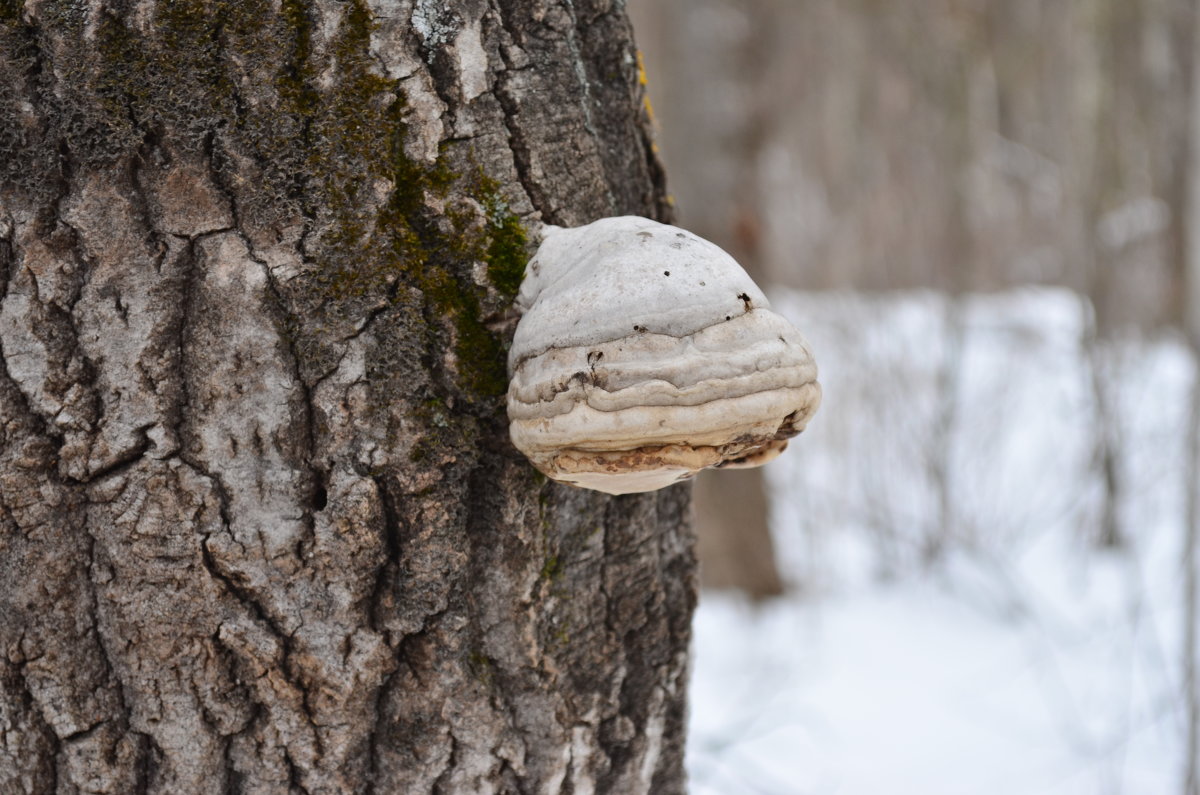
(261, 529)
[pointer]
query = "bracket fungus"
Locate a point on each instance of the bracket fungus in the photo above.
(645, 354)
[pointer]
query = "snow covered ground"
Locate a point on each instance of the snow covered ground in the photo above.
(953, 625)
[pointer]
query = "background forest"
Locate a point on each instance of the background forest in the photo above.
(980, 575)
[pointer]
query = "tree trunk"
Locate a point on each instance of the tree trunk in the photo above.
(733, 537)
(261, 528)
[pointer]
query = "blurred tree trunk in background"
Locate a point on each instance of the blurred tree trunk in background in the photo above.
(261, 528)
(714, 45)
(733, 540)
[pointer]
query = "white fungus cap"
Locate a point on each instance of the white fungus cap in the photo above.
(646, 354)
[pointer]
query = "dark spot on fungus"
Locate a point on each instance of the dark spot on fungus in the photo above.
(729, 317)
(594, 356)
(745, 299)
(701, 284)
(639, 329)
(666, 273)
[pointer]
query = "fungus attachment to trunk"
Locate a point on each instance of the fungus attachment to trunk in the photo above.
(645, 354)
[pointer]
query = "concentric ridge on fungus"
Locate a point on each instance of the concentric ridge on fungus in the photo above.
(645, 354)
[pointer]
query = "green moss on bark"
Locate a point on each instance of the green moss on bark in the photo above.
(507, 250)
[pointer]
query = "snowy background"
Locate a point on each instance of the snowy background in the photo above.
(954, 621)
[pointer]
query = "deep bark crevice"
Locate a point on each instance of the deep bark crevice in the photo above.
(521, 149)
